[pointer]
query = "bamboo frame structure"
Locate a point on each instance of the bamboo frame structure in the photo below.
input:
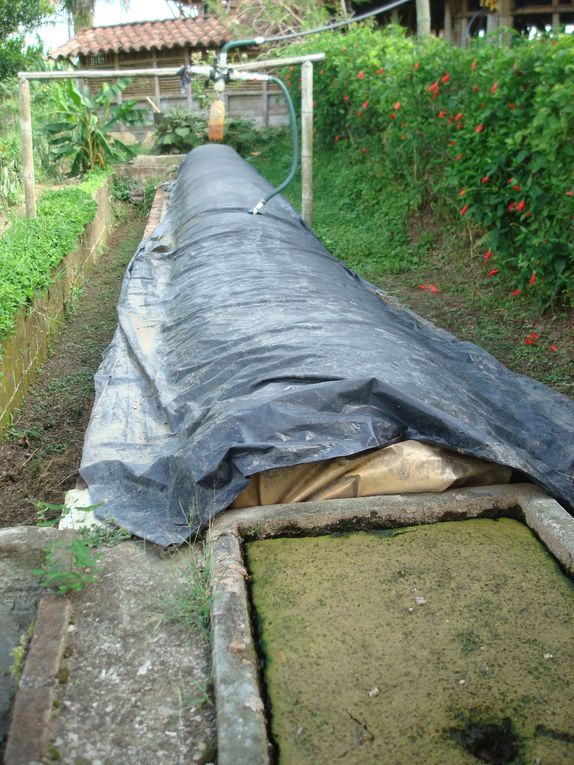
(306, 88)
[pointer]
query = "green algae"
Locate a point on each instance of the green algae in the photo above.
(445, 643)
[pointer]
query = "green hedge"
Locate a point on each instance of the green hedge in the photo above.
(31, 249)
(485, 130)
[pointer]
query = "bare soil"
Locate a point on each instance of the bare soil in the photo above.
(41, 452)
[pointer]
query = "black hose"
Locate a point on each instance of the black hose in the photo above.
(295, 153)
(325, 28)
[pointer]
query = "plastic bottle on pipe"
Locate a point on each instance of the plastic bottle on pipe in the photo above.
(216, 120)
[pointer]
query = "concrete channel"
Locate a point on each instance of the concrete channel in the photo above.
(243, 717)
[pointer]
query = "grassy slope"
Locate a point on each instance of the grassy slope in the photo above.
(398, 241)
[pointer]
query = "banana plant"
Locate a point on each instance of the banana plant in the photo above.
(80, 131)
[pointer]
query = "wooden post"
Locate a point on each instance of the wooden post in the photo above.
(156, 87)
(447, 21)
(423, 18)
(265, 103)
(307, 142)
(27, 152)
(120, 97)
(505, 20)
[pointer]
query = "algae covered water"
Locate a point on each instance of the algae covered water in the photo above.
(446, 643)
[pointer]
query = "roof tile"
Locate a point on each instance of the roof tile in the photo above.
(200, 32)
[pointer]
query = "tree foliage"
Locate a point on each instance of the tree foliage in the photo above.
(17, 15)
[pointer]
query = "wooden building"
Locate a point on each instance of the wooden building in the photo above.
(170, 43)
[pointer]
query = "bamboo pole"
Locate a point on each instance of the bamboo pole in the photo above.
(27, 152)
(423, 18)
(171, 71)
(307, 142)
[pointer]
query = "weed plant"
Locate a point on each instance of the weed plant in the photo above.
(190, 605)
(31, 249)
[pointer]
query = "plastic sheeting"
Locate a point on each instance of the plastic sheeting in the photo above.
(243, 346)
(409, 467)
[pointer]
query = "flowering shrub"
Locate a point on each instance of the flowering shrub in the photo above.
(488, 129)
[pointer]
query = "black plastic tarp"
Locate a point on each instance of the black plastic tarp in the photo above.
(243, 345)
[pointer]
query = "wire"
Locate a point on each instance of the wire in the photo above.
(325, 28)
(295, 148)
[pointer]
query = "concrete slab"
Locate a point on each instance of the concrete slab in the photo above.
(134, 681)
(241, 721)
(116, 673)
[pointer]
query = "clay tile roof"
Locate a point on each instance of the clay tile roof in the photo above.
(200, 32)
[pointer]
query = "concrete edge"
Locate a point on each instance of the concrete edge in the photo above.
(28, 734)
(157, 210)
(241, 731)
(241, 725)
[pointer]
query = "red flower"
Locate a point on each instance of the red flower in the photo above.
(532, 279)
(510, 207)
(422, 286)
(464, 210)
(458, 116)
(520, 206)
(569, 193)
(473, 66)
(462, 192)
(452, 143)
(516, 292)
(533, 336)
(380, 70)
(445, 78)
(553, 348)
(517, 188)
(528, 341)
(433, 288)
(493, 88)
(365, 104)
(403, 137)
(441, 115)
(397, 106)
(475, 88)
(417, 66)
(511, 106)
(479, 128)
(459, 156)
(485, 179)
(359, 114)
(361, 75)
(493, 272)
(363, 150)
(393, 115)
(433, 88)
(345, 98)
(487, 256)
